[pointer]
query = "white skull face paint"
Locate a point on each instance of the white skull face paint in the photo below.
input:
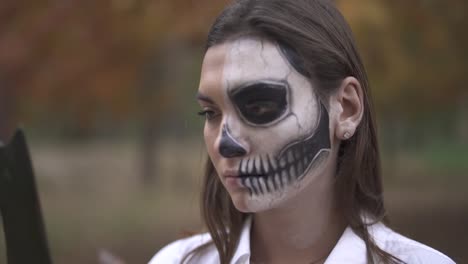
(274, 131)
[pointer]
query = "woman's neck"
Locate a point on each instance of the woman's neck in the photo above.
(304, 230)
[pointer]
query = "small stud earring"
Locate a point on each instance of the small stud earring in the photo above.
(347, 135)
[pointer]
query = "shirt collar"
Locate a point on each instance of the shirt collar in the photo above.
(242, 254)
(349, 249)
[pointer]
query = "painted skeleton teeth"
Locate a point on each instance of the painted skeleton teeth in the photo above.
(243, 167)
(270, 183)
(272, 164)
(255, 184)
(251, 186)
(264, 168)
(282, 163)
(257, 165)
(263, 178)
(277, 180)
(292, 170)
(248, 183)
(261, 187)
(284, 177)
(250, 166)
(263, 184)
(265, 173)
(254, 168)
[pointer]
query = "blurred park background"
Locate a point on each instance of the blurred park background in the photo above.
(105, 92)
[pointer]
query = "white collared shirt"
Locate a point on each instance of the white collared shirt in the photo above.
(350, 249)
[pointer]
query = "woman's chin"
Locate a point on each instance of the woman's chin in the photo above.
(241, 201)
(247, 207)
(248, 203)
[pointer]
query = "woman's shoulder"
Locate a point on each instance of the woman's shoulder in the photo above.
(405, 248)
(176, 251)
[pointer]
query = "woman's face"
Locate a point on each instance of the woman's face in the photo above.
(266, 131)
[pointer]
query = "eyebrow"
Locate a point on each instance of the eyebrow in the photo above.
(202, 97)
(281, 82)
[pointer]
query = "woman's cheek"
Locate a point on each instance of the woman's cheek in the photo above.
(210, 135)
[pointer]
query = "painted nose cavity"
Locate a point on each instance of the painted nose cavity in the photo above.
(228, 146)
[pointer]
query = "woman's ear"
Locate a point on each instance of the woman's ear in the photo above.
(348, 106)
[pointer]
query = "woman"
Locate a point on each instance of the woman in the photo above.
(293, 174)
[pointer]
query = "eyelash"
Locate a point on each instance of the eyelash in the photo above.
(208, 114)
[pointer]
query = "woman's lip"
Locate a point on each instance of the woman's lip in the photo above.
(235, 174)
(231, 176)
(233, 182)
(252, 175)
(230, 173)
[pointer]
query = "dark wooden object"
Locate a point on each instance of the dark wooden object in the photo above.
(19, 205)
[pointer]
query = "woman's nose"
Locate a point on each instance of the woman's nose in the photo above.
(228, 146)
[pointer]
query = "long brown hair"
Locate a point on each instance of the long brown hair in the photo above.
(325, 52)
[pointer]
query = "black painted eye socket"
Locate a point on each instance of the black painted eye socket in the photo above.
(261, 103)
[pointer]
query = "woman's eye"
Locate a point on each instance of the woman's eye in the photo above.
(208, 114)
(261, 103)
(262, 108)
